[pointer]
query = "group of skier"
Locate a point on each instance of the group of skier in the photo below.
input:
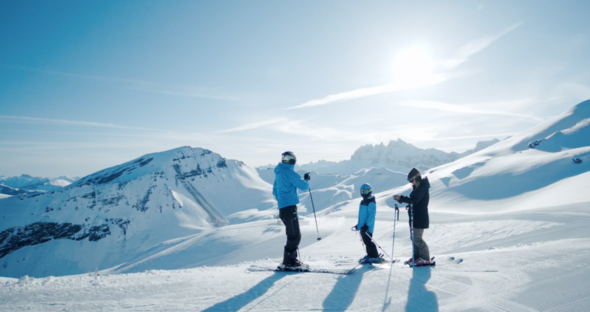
(287, 181)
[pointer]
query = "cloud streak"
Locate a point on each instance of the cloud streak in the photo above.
(255, 125)
(364, 92)
(144, 86)
(474, 47)
(25, 119)
(453, 108)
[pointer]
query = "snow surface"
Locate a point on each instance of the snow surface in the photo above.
(519, 261)
(517, 217)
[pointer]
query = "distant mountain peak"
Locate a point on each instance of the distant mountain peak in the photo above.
(397, 155)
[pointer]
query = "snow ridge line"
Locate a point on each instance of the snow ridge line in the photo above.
(215, 215)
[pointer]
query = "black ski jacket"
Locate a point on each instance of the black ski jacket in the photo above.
(419, 199)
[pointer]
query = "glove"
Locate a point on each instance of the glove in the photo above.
(306, 177)
(365, 228)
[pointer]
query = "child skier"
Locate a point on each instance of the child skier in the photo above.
(418, 200)
(366, 224)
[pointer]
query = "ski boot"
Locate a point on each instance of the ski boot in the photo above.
(369, 260)
(294, 265)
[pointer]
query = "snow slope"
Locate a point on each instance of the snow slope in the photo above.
(510, 175)
(532, 260)
(120, 213)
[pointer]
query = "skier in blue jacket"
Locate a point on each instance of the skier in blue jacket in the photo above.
(287, 181)
(366, 223)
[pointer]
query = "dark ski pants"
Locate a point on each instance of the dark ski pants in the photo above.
(369, 245)
(289, 217)
(420, 247)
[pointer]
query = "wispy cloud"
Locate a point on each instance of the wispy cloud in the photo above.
(255, 125)
(461, 56)
(364, 92)
(463, 109)
(25, 119)
(144, 86)
(323, 133)
(474, 47)
(481, 136)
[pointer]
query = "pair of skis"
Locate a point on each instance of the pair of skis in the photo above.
(305, 269)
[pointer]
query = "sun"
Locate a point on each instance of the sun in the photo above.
(412, 66)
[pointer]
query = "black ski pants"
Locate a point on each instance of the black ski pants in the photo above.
(369, 245)
(289, 217)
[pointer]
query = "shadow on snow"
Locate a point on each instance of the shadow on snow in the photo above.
(344, 291)
(420, 298)
(237, 302)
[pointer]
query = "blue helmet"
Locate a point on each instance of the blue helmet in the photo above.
(366, 190)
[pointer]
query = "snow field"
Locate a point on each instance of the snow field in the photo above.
(536, 261)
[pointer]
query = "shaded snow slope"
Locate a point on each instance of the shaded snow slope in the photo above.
(114, 215)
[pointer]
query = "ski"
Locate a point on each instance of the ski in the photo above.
(430, 263)
(255, 268)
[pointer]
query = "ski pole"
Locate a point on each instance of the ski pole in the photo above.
(412, 232)
(395, 215)
(314, 216)
(385, 252)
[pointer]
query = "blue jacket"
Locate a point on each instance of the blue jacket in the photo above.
(367, 212)
(287, 181)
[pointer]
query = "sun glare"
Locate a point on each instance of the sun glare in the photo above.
(412, 66)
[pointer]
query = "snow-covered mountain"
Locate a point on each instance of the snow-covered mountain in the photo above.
(26, 182)
(112, 216)
(397, 156)
(6, 190)
(544, 166)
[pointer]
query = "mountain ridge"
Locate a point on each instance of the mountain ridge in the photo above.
(117, 213)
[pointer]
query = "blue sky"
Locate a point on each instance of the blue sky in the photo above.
(86, 85)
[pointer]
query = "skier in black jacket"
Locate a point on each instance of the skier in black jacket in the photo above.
(418, 199)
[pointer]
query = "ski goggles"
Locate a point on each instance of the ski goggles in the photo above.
(412, 179)
(366, 191)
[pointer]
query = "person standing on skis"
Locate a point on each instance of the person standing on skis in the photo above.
(366, 223)
(418, 200)
(287, 181)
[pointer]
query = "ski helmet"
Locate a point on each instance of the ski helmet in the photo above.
(366, 190)
(289, 158)
(412, 174)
